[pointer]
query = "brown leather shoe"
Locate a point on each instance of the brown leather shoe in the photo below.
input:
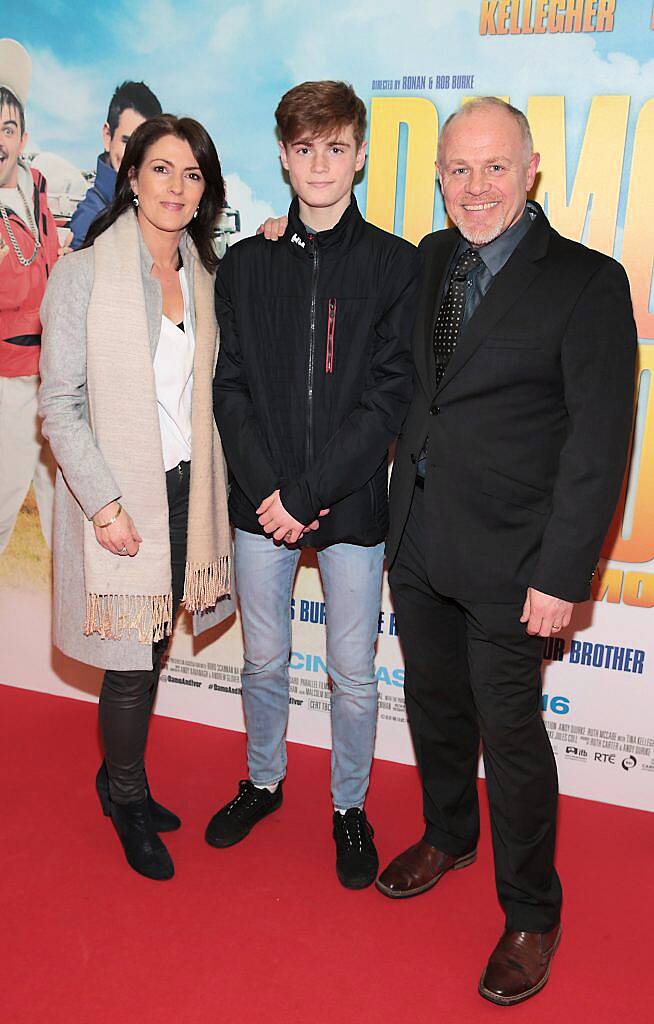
(519, 966)
(418, 869)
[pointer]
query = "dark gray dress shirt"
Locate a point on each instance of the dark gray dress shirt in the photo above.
(494, 256)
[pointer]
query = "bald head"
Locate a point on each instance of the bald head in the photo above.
(491, 106)
(486, 166)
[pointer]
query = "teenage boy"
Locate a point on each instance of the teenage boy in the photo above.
(312, 384)
(29, 248)
(131, 104)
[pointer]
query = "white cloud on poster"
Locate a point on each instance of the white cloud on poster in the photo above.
(230, 33)
(62, 103)
(253, 211)
(155, 26)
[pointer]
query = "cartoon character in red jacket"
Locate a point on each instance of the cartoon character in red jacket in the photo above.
(29, 248)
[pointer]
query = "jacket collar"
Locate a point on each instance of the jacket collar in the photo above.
(152, 288)
(342, 237)
(105, 178)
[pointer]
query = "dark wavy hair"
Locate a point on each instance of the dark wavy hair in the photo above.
(200, 228)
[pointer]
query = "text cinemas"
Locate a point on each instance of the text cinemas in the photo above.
(316, 664)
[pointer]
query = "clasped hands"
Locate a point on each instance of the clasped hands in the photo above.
(279, 523)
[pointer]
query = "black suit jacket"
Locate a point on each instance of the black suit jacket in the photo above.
(529, 428)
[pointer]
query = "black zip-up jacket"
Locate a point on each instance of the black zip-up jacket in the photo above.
(314, 373)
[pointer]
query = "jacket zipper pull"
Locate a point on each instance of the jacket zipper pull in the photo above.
(331, 327)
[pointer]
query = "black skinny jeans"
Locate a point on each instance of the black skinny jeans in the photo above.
(126, 698)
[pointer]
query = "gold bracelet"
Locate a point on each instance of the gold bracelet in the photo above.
(103, 526)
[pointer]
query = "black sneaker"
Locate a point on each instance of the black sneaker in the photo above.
(357, 862)
(233, 821)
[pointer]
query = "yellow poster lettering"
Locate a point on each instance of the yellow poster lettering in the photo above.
(638, 244)
(556, 20)
(605, 15)
(514, 23)
(599, 169)
(573, 15)
(590, 11)
(638, 589)
(420, 116)
(639, 545)
(487, 17)
(502, 14)
(527, 27)
(540, 17)
(607, 585)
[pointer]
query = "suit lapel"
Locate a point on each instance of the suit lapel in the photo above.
(436, 264)
(507, 288)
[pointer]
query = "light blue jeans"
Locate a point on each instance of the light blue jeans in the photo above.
(351, 579)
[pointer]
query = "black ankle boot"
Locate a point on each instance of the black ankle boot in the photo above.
(143, 848)
(162, 819)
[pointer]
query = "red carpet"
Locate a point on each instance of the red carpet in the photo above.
(263, 932)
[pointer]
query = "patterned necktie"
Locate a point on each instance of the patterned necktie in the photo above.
(450, 315)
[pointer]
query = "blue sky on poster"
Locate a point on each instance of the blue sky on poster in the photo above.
(227, 63)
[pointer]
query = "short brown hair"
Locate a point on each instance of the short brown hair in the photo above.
(319, 108)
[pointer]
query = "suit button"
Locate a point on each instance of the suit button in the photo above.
(434, 411)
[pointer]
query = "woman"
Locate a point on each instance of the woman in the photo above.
(129, 349)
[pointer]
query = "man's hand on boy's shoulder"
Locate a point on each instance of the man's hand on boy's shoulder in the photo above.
(273, 228)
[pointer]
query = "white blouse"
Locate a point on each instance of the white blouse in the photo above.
(173, 378)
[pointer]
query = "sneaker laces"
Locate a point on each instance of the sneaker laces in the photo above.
(355, 832)
(248, 796)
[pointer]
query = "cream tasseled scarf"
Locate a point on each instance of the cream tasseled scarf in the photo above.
(125, 594)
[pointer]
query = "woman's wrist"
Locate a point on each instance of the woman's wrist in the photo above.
(108, 515)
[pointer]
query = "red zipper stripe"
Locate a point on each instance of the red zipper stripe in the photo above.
(331, 327)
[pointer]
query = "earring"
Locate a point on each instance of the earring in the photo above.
(135, 200)
(196, 213)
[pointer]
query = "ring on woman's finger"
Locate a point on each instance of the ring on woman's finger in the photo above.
(123, 550)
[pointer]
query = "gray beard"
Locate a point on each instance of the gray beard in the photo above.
(483, 237)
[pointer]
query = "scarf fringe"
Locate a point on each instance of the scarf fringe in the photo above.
(205, 583)
(114, 616)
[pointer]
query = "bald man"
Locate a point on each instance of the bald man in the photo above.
(506, 477)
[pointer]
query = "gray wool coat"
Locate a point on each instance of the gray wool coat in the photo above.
(84, 482)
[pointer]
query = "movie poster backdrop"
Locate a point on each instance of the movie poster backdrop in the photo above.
(583, 72)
